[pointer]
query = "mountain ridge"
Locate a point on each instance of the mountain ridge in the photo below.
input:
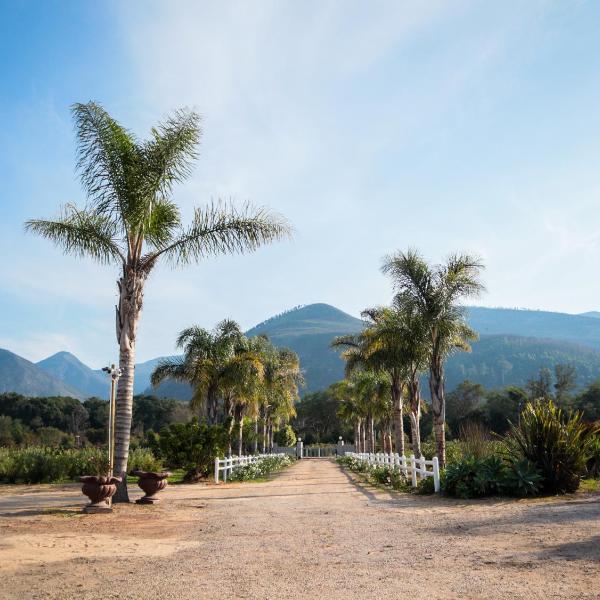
(514, 344)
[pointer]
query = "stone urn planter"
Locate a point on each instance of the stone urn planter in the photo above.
(151, 483)
(99, 489)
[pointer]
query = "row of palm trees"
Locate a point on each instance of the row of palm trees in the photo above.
(423, 325)
(235, 379)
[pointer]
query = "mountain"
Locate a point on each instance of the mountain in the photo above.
(535, 323)
(594, 314)
(501, 360)
(514, 345)
(24, 377)
(72, 372)
(308, 331)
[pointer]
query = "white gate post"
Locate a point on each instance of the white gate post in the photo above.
(436, 474)
(216, 469)
(299, 448)
(413, 468)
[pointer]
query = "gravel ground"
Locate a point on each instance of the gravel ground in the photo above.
(312, 532)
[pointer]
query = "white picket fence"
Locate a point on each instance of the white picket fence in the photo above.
(408, 465)
(227, 464)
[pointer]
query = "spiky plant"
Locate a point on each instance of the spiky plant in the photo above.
(131, 221)
(557, 444)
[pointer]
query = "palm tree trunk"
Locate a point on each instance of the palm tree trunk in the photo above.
(415, 414)
(438, 408)
(371, 433)
(241, 435)
(131, 294)
(364, 436)
(264, 435)
(357, 436)
(255, 448)
(398, 416)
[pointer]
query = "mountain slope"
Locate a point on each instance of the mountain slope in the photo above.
(535, 323)
(24, 377)
(308, 331)
(72, 372)
(499, 360)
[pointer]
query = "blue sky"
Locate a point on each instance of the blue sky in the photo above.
(373, 126)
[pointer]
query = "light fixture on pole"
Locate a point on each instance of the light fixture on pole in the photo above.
(114, 373)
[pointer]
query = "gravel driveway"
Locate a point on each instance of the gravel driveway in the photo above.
(312, 532)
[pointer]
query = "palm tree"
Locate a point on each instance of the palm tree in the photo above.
(350, 409)
(282, 378)
(206, 356)
(395, 341)
(434, 292)
(131, 221)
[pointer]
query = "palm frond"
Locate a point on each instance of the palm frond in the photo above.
(81, 233)
(104, 149)
(223, 229)
(169, 156)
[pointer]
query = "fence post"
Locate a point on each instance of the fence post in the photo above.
(436, 474)
(413, 468)
(216, 469)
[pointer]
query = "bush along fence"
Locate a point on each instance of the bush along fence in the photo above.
(239, 468)
(415, 467)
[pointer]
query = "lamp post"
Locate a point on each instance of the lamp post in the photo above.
(114, 373)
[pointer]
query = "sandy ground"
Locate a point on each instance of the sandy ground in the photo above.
(312, 532)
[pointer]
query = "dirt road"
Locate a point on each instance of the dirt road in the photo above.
(312, 532)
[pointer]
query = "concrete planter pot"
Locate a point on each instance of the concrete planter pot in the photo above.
(99, 490)
(151, 483)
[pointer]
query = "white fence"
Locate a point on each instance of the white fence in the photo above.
(411, 465)
(229, 463)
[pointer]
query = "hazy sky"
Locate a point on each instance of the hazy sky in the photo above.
(373, 126)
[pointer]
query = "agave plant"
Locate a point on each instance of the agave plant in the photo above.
(557, 444)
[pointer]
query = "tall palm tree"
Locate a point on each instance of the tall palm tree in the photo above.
(434, 292)
(131, 221)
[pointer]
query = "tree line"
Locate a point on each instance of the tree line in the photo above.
(67, 422)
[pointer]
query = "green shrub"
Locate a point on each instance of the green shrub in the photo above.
(142, 459)
(454, 450)
(261, 468)
(191, 446)
(379, 474)
(285, 437)
(558, 445)
(593, 462)
(46, 465)
(426, 486)
(477, 477)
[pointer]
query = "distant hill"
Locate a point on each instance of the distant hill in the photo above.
(72, 372)
(24, 377)
(501, 360)
(308, 331)
(535, 323)
(594, 314)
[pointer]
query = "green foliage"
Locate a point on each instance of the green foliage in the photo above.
(261, 468)
(426, 486)
(593, 463)
(558, 445)
(477, 477)
(191, 446)
(454, 450)
(285, 437)
(317, 420)
(379, 474)
(48, 465)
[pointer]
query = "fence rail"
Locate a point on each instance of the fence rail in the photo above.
(227, 464)
(408, 465)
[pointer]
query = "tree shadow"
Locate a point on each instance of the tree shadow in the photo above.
(583, 550)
